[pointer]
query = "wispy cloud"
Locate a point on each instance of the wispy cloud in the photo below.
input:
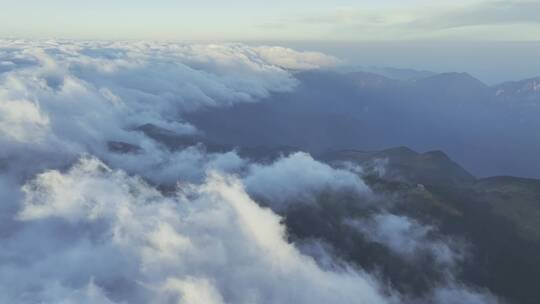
(486, 13)
(499, 20)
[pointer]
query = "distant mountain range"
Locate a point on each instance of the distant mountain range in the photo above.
(398, 73)
(489, 129)
(525, 91)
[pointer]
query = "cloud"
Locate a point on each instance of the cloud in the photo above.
(81, 223)
(168, 167)
(62, 99)
(121, 239)
(289, 59)
(407, 238)
(22, 121)
(90, 294)
(419, 244)
(206, 244)
(455, 294)
(299, 178)
(483, 13)
(490, 19)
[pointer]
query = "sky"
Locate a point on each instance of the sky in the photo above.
(494, 40)
(341, 20)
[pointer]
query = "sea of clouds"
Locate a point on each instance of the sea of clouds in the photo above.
(80, 223)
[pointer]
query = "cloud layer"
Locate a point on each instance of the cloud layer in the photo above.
(299, 178)
(67, 98)
(144, 222)
(94, 234)
(124, 241)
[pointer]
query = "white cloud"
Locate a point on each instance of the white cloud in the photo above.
(413, 241)
(457, 294)
(290, 59)
(499, 20)
(299, 178)
(96, 234)
(194, 291)
(165, 167)
(407, 238)
(22, 121)
(61, 99)
(207, 244)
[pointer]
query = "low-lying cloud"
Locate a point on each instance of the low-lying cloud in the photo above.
(61, 99)
(123, 241)
(84, 223)
(299, 178)
(406, 237)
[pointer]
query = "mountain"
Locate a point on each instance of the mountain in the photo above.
(402, 163)
(526, 91)
(451, 88)
(368, 80)
(329, 110)
(495, 219)
(175, 142)
(513, 198)
(497, 216)
(517, 199)
(399, 73)
(394, 133)
(453, 80)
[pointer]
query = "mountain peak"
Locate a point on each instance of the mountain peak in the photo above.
(454, 78)
(527, 90)
(430, 168)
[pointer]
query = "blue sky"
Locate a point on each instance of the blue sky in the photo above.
(316, 20)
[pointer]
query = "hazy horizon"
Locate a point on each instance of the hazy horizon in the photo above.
(492, 62)
(493, 40)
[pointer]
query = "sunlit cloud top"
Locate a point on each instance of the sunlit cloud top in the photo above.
(349, 20)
